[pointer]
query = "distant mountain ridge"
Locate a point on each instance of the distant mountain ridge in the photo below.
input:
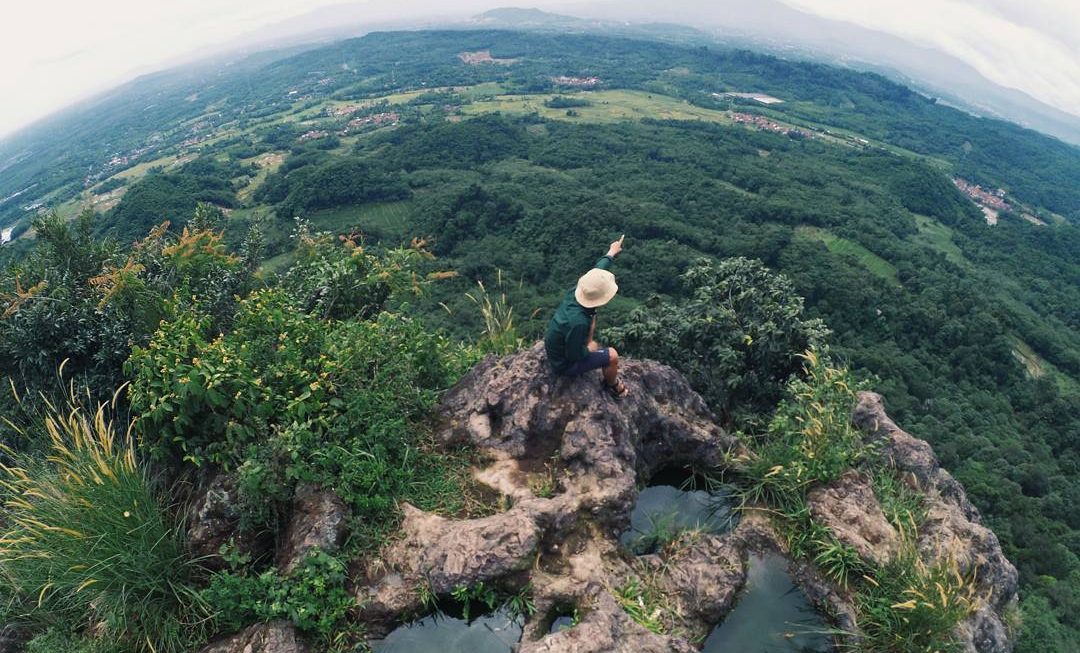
(785, 31)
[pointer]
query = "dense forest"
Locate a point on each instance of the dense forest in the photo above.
(970, 331)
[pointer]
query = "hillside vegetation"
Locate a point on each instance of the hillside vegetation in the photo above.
(845, 188)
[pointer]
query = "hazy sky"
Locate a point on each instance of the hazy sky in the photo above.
(1032, 45)
(53, 52)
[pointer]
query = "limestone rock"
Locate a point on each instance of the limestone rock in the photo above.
(448, 554)
(606, 628)
(317, 521)
(850, 510)
(275, 637)
(213, 521)
(953, 529)
(948, 535)
(984, 632)
(704, 575)
(516, 406)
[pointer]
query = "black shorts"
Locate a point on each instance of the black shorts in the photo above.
(595, 360)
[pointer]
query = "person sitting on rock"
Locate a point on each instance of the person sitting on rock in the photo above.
(571, 350)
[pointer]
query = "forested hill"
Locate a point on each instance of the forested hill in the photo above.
(518, 157)
(155, 116)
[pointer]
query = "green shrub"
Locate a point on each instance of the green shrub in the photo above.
(737, 338)
(205, 397)
(88, 542)
(314, 596)
(345, 280)
(288, 396)
(59, 640)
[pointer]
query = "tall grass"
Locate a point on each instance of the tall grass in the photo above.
(87, 542)
(909, 606)
(500, 335)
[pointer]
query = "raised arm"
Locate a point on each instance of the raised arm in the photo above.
(614, 250)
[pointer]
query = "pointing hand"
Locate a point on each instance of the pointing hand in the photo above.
(616, 247)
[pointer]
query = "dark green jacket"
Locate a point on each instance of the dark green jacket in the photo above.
(567, 337)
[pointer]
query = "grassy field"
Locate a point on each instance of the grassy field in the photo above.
(871, 261)
(268, 162)
(388, 221)
(939, 237)
(607, 107)
(1037, 368)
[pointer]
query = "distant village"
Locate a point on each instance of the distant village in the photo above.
(993, 202)
(764, 124)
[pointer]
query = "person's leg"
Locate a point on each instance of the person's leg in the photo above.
(611, 371)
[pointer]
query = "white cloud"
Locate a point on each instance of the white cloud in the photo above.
(53, 52)
(1033, 46)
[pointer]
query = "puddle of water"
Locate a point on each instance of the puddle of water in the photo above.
(561, 623)
(666, 509)
(772, 616)
(494, 633)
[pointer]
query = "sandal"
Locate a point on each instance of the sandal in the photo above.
(617, 391)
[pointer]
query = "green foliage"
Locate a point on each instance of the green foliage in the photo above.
(902, 504)
(59, 640)
(809, 440)
(338, 183)
(645, 604)
(563, 102)
(288, 396)
(907, 606)
(839, 561)
(737, 337)
(478, 594)
(339, 282)
(88, 542)
(314, 596)
(79, 299)
(172, 196)
(520, 605)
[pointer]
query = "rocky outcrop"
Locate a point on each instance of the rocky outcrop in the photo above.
(702, 578)
(568, 461)
(317, 521)
(952, 530)
(570, 458)
(275, 637)
(850, 510)
(606, 628)
(213, 521)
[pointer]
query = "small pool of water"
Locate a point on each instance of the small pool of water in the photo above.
(561, 623)
(772, 615)
(672, 505)
(497, 632)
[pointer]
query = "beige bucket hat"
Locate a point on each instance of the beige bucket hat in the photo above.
(595, 288)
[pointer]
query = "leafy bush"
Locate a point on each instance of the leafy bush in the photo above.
(340, 281)
(314, 596)
(88, 542)
(77, 299)
(737, 338)
(205, 397)
(288, 396)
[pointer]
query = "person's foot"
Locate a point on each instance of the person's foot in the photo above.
(618, 390)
